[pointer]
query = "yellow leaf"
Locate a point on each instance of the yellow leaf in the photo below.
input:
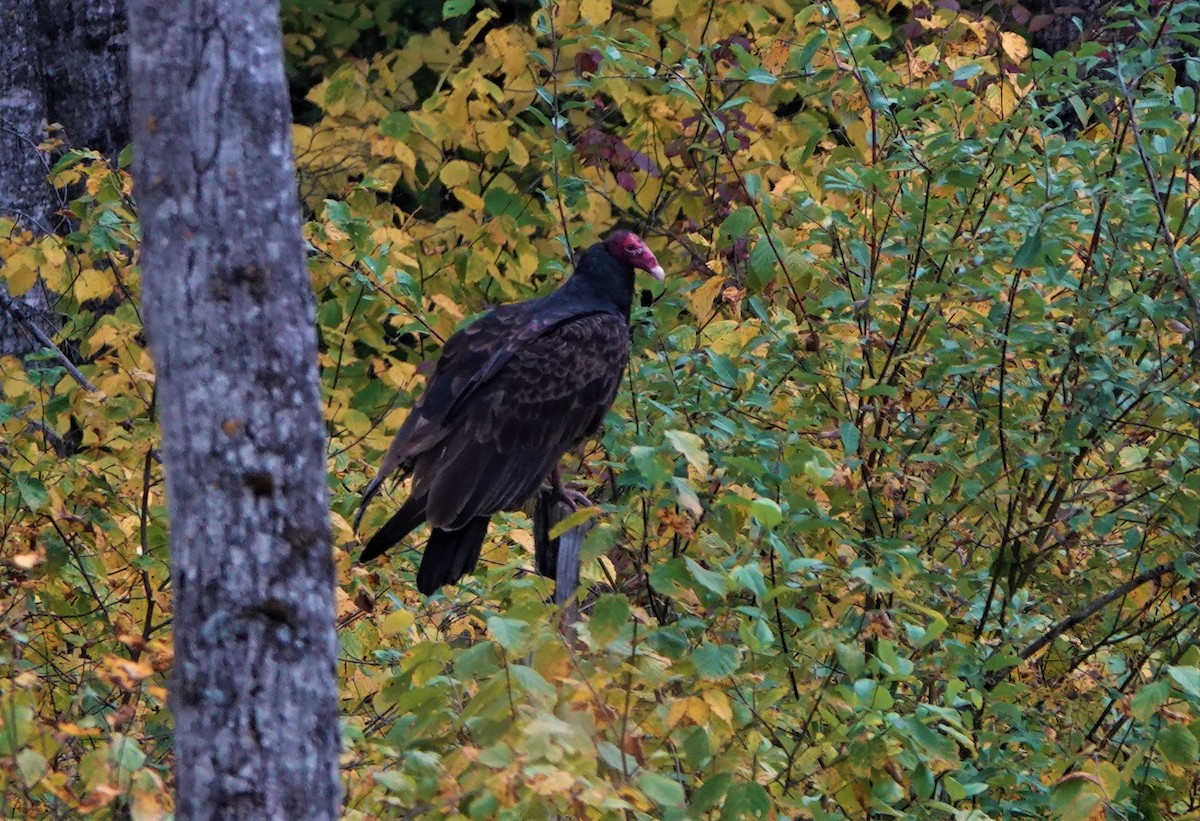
(508, 45)
(469, 199)
(1014, 46)
(53, 251)
(595, 11)
(356, 422)
(398, 621)
(447, 304)
(19, 274)
(847, 10)
(517, 153)
(493, 135)
(565, 15)
(701, 300)
(719, 704)
(395, 419)
(468, 37)
(662, 9)
(398, 374)
(455, 173)
(92, 284)
(125, 673)
(147, 802)
(555, 782)
(75, 731)
(405, 155)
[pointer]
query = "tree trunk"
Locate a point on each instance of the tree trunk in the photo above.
(85, 63)
(61, 61)
(25, 195)
(230, 317)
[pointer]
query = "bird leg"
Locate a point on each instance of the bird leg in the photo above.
(572, 498)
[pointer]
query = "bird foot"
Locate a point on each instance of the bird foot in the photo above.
(572, 498)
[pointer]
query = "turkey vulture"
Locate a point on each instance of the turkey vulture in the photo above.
(510, 395)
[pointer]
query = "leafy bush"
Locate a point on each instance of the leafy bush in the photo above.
(899, 508)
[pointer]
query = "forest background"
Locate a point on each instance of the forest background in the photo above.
(897, 513)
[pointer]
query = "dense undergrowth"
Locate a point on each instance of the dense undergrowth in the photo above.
(897, 514)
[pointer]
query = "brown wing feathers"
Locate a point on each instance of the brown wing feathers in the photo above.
(511, 394)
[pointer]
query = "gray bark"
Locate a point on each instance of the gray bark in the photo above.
(24, 192)
(230, 317)
(61, 61)
(85, 70)
(25, 195)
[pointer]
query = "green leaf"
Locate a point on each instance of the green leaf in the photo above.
(710, 792)
(501, 203)
(1179, 745)
(710, 580)
(761, 76)
(1188, 679)
(531, 682)
(1030, 251)
(670, 577)
(761, 265)
(477, 661)
(1185, 98)
(509, 633)
(749, 577)
(609, 617)
(746, 799)
(1073, 799)
(715, 661)
(738, 223)
(967, 72)
(766, 511)
(125, 753)
(664, 791)
(337, 212)
(32, 765)
(849, 435)
(32, 491)
(930, 745)
(395, 125)
(652, 463)
(499, 756)
(456, 8)
(1148, 699)
(612, 755)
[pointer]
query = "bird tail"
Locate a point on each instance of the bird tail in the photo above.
(407, 518)
(450, 554)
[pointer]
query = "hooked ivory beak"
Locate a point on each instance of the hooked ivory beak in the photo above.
(657, 272)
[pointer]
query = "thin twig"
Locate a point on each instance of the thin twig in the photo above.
(1092, 609)
(556, 124)
(40, 336)
(1168, 237)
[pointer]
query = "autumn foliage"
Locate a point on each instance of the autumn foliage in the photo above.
(898, 510)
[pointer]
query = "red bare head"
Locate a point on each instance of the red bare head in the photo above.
(631, 249)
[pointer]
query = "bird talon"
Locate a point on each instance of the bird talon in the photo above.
(574, 499)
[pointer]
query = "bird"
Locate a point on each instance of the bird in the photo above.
(512, 392)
